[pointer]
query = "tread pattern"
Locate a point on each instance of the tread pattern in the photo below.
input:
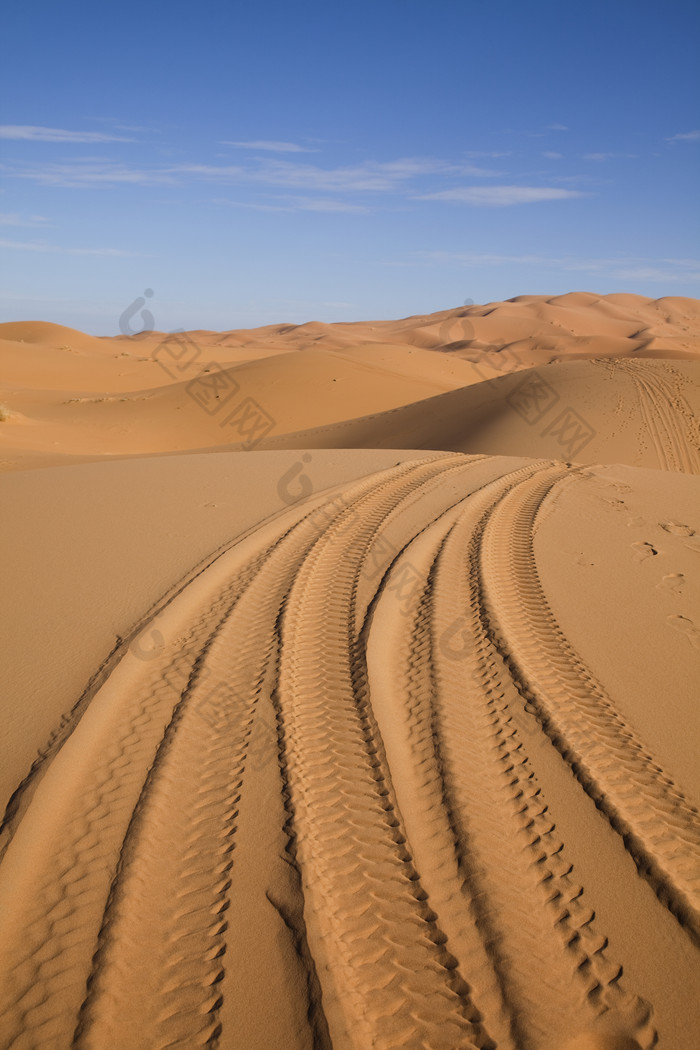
(388, 632)
(661, 828)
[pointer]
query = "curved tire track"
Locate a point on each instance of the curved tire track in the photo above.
(480, 828)
(390, 628)
(661, 829)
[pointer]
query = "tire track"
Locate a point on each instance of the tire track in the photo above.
(659, 826)
(480, 830)
(392, 627)
(667, 416)
(388, 980)
(54, 888)
(70, 883)
(198, 775)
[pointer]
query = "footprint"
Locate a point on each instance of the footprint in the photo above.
(686, 625)
(636, 523)
(676, 529)
(693, 545)
(642, 551)
(675, 581)
(616, 504)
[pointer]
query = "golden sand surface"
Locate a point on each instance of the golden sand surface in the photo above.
(350, 682)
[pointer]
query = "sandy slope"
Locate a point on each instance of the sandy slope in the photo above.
(72, 396)
(643, 413)
(327, 744)
(229, 742)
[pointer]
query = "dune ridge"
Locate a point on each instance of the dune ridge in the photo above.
(371, 724)
(71, 395)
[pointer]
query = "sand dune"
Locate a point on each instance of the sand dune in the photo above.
(70, 396)
(643, 413)
(373, 724)
(233, 757)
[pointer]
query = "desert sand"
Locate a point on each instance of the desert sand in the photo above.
(350, 682)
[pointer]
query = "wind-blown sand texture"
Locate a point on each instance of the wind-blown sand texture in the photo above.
(393, 748)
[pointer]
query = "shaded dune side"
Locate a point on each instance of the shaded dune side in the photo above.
(300, 812)
(71, 396)
(643, 413)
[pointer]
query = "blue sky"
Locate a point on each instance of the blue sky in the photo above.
(261, 162)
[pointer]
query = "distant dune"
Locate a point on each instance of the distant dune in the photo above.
(73, 396)
(350, 682)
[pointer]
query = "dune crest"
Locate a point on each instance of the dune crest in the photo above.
(75, 396)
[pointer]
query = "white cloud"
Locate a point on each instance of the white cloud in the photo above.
(485, 153)
(14, 219)
(672, 271)
(686, 136)
(27, 246)
(322, 204)
(368, 177)
(500, 196)
(654, 273)
(251, 205)
(274, 147)
(31, 133)
(372, 176)
(89, 173)
(608, 156)
(556, 127)
(328, 205)
(552, 156)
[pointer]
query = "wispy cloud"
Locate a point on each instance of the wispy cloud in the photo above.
(551, 155)
(686, 136)
(31, 133)
(273, 147)
(321, 204)
(328, 204)
(417, 178)
(542, 133)
(500, 196)
(14, 219)
(625, 269)
(89, 173)
(609, 156)
(32, 246)
(372, 176)
(367, 177)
